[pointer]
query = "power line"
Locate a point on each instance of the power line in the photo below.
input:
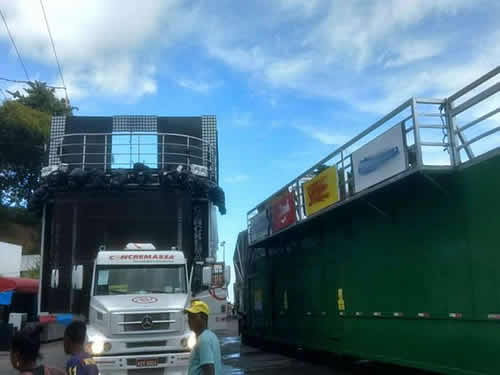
(55, 54)
(15, 47)
(28, 82)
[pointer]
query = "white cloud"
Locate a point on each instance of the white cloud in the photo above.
(251, 60)
(282, 72)
(104, 47)
(302, 7)
(360, 29)
(198, 86)
(362, 53)
(323, 135)
(120, 78)
(236, 179)
(415, 50)
(372, 55)
(441, 80)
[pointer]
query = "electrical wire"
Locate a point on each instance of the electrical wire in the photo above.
(54, 50)
(15, 46)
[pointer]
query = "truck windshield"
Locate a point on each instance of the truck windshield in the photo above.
(111, 280)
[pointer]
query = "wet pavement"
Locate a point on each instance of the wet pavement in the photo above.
(242, 359)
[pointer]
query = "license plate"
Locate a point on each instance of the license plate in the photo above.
(146, 362)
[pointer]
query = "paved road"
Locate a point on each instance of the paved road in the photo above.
(53, 355)
(238, 360)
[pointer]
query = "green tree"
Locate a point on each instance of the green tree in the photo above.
(42, 98)
(23, 134)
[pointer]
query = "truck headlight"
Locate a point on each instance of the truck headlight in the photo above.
(191, 342)
(98, 346)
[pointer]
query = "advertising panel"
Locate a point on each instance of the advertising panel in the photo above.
(379, 159)
(259, 227)
(322, 191)
(283, 211)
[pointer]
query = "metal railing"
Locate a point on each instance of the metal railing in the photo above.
(122, 150)
(459, 112)
(433, 138)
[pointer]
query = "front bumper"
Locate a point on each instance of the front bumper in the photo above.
(171, 363)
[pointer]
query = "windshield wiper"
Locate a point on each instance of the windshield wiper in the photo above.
(117, 292)
(165, 292)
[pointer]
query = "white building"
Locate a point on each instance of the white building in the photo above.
(10, 259)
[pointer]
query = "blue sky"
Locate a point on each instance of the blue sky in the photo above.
(289, 80)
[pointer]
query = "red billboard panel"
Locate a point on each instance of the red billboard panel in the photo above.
(283, 209)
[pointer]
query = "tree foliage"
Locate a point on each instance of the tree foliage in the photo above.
(41, 97)
(23, 133)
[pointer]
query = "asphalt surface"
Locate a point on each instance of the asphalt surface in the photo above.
(241, 359)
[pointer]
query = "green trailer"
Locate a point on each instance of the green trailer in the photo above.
(386, 250)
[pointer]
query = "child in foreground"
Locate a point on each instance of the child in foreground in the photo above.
(80, 362)
(25, 353)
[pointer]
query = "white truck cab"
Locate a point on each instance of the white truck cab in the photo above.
(136, 315)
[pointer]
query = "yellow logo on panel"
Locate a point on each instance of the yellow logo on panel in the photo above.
(322, 191)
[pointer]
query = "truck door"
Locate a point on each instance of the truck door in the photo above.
(280, 301)
(333, 290)
(314, 304)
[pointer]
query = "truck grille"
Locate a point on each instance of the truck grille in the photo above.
(140, 344)
(140, 322)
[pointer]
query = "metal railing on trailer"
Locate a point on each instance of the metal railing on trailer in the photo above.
(159, 151)
(437, 133)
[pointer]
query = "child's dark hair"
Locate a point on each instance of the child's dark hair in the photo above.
(27, 343)
(76, 332)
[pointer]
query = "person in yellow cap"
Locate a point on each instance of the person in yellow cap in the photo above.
(205, 357)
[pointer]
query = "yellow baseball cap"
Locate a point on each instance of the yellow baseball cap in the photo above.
(198, 307)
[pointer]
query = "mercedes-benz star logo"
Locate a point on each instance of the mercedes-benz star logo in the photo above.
(147, 322)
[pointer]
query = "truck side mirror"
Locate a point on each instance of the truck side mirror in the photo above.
(206, 276)
(54, 278)
(77, 277)
(227, 276)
